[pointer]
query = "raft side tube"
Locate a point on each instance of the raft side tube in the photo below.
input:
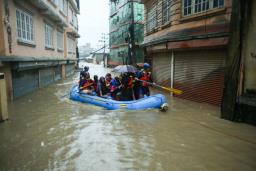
(154, 101)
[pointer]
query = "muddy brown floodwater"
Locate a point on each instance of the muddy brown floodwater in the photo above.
(47, 131)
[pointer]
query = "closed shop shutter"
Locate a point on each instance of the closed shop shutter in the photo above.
(46, 76)
(24, 82)
(57, 72)
(69, 69)
(161, 63)
(200, 74)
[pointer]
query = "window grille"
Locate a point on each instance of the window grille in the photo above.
(48, 36)
(151, 19)
(60, 40)
(25, 26)
(197, 6)
(166, 11)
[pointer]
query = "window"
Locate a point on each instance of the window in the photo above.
(218, 3)
(60, 41)
(48, 36)
(151, 19)
(201, 5)
(25, 26)
(63, 6)
(71, 45)
(166, 11)
(55, 2)
(197, 6)
(187, 7)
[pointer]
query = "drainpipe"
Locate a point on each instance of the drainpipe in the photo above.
(8, 25)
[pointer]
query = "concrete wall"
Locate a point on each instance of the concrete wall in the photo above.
(249, 52)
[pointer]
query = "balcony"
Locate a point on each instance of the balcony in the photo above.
(76, 5)
(48, 10)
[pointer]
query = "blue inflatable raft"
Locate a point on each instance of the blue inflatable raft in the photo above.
(154, 101)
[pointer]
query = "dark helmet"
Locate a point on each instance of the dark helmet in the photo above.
(146, 65)
(82, 74)
(95, 77)
(102, 79)
(108, 75)
(86, 68)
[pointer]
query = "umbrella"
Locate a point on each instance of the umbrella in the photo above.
(124, 68)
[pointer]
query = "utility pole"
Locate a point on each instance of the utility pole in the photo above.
(103, 40)
(131, 39)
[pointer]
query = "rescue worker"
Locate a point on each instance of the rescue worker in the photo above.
(130, 86)
(101, 87)
(87, 84)
(95, 83)
(108, 79)
(145, 75)
(115, 86)
(84, 72)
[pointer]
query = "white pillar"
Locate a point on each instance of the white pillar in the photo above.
(172, 70)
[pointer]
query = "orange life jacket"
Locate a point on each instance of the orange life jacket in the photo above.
(146, 77)
(88, 84)
(130, 82)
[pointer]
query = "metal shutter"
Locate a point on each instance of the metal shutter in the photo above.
(24, 82)
(200, 74)
(46, 76)
(57, 72)
(69, 69)
(162, 68)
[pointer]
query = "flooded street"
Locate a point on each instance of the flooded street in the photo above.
(47, 131)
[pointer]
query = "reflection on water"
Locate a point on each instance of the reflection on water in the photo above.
(47, 131)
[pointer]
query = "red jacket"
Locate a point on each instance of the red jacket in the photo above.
(146, 76)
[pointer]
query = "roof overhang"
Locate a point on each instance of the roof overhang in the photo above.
(73, 32)
(74, 5)
(49, 12)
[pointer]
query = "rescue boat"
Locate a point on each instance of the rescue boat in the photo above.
(157, 101)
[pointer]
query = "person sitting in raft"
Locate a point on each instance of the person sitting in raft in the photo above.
(115, 86)
(145, 75)
(125, 89)
(87, 85)
(136, 87)
(130, 86)
(108, 79)
(95, 83)
(82, 79)
(101, 87)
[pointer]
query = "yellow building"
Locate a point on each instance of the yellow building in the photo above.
(38, 42)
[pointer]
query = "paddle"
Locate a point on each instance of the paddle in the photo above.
(173, 90)
(85, 86)
(79, 88)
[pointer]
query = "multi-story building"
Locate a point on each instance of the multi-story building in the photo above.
(186, 42)
(121, 22)
(85, 50)
(38, 42)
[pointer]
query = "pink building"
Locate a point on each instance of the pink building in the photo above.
(38, 42)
